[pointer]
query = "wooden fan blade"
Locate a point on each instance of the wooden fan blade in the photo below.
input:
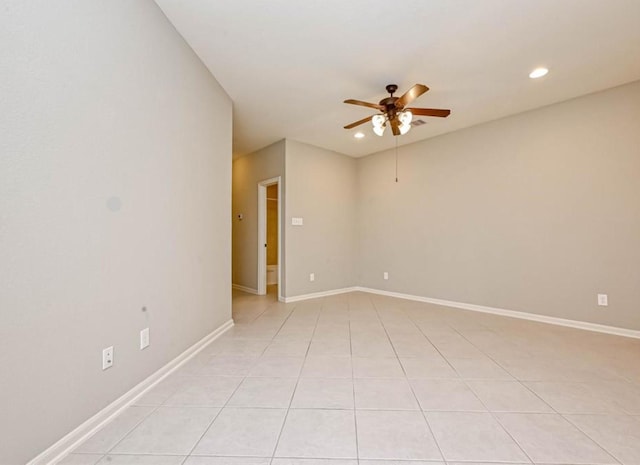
(364, 104)
(410, 95)
(430, 112)
(359, 122)
(394, 126)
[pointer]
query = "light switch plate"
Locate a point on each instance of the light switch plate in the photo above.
(144, 338)
(296, 221)
(603, 300)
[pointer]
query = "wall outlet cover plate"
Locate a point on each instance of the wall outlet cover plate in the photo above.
(107, 358)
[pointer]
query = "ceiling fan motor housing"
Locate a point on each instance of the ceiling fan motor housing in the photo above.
(389, 103)
(392, 88)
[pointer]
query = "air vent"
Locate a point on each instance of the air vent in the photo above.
(418, 122)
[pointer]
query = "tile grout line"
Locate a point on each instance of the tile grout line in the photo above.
(430, 342)
(521, 382)
(233, 393)
(465, 381)
(286, 415)
(495, 417)
(104, 454)
(424, 417)
(587, 435)
(478, 397)
(396, 321)
(155, 409)
(353, 383)
(206, 430)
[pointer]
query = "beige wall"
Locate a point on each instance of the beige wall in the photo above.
(537, 212)
(103, 100)
(248, 171)
(314, 180)
(321, 188)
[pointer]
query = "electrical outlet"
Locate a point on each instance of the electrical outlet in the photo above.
(385, 275)
(144, 338)
(603, 300)
(312, 277)
(107, 358)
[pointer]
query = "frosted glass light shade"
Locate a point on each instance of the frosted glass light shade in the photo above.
(405, 118)
(379, 123)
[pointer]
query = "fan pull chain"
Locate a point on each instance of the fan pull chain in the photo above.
(396, 139)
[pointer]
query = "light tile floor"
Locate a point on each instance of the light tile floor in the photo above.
(359, 378)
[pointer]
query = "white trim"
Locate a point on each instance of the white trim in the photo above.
(315, 295)
(262, 239)
(280, 239)
(479, 308)
(250, 290)
(262, 234)
(512, 313)
(62, 447)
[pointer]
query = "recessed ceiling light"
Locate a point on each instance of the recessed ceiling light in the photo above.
(538, 73)
(358, 135)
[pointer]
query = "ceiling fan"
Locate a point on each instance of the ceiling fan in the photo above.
(393, 110)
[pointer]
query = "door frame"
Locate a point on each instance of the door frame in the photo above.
(262, 234)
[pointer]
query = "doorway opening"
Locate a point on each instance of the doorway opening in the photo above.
(270, 236)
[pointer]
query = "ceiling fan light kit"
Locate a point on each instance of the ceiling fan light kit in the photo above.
(393, 111)
(379, 123)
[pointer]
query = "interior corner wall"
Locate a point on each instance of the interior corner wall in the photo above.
(115, 193)
(248, 171)
(320, 189)
(537, 212)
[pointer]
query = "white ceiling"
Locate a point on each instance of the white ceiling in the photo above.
(289, 64)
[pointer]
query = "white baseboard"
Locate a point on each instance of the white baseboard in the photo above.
(250, 290)
(478, 308)
(315, 295)
(61, 448)
(511, 313)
